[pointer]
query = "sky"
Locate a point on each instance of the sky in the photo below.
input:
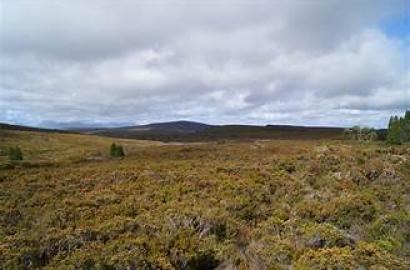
(112, 63)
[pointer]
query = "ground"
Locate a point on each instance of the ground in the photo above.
(282, 204)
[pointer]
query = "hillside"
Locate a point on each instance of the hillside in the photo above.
(4, 126)
(54, 147)
(300, 204)
(186, 131)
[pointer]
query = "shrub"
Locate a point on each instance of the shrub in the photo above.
(116, 150)
(327, 258)
(326, 235)
(391, 232)
(119, 151)
(393, 137)
(15, 154)
(113, 149)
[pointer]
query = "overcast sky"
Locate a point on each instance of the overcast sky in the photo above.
(303, 62)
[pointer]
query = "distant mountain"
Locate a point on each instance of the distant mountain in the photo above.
(81, 125)
(4, 126)
(188, 131)
(194, 131)
(173, 127)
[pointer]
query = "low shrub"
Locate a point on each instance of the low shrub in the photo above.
(116, 150)
(15, 153)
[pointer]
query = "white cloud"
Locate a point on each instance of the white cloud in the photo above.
(226, 61)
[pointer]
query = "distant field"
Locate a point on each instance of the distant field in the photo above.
(52, 147)
(256, 204)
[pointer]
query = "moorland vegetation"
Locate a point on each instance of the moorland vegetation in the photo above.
(255, 204)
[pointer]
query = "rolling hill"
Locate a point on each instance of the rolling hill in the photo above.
(5, 126)
(194, 131)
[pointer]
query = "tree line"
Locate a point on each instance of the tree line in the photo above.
(399, 129)
(397, 132)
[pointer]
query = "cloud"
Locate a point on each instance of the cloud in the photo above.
(228, 61)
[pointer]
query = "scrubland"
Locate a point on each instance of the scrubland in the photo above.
(282, 204)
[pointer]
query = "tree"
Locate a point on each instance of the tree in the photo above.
(399, 129)
(113, 150)
(393, 137)
(119, 151)
(15, 153)
(390, 122)
(407, 115)
(116, 150)
(405, 127)
(357, 131)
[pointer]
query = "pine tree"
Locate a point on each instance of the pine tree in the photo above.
(116, 150)
(119, 152)
(390, 122)
(393, 137)
(113, 150)
(407, 115)
(405, 127)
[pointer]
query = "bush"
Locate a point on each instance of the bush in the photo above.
(113, 149)
(15, 154)
(116, 150)
(119, 151)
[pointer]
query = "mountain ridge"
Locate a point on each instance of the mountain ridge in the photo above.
(183, 130)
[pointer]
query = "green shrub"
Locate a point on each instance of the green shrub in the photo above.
(113, 149)
(327, 258)
(119, 151)
(116, 150)
(325, 235)
(391, 232)
(15, 154)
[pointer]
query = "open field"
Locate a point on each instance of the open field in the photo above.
(322, 204)
(56, 148)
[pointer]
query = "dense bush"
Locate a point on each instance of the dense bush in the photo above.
(116, 150)
(15, 154)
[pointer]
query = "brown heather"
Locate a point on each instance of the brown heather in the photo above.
(232, 205)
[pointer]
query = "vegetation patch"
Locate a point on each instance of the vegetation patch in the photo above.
(232, 205)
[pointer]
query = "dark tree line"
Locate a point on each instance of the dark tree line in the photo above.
(399, 129)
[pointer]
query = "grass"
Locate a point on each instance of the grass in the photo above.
(57, 148)
(237, 205)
